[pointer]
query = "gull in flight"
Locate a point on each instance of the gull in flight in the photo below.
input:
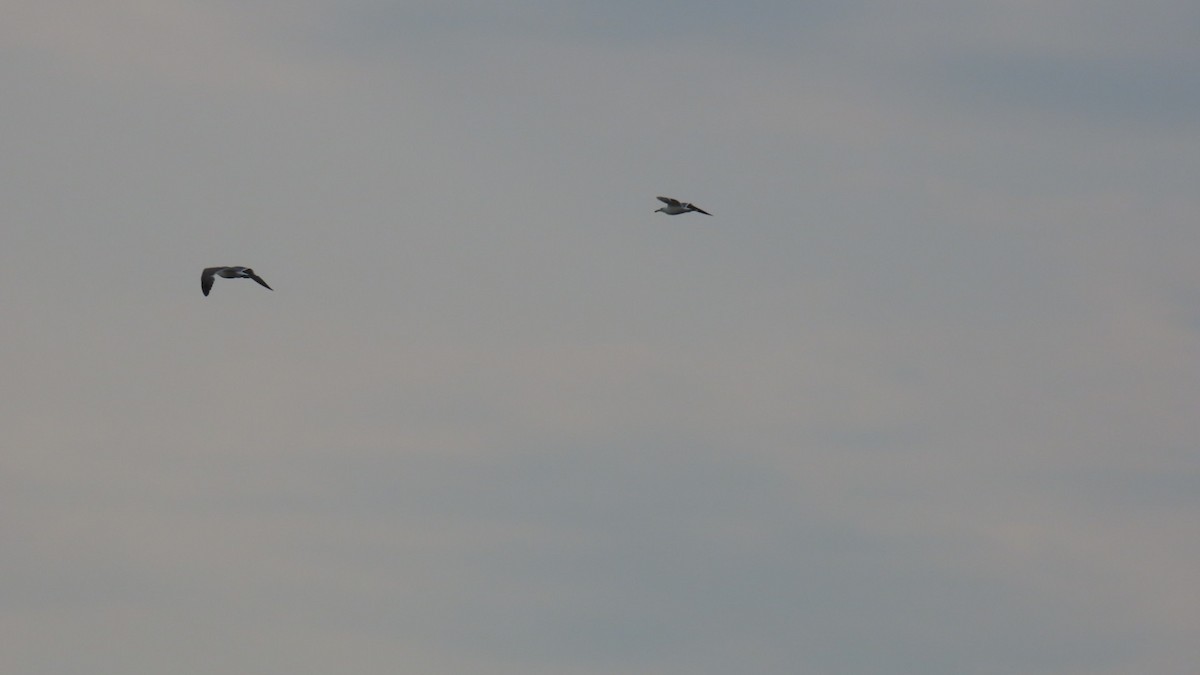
(235, 272)
(675, 207)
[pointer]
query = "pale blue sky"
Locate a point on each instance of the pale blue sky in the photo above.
(920, 398)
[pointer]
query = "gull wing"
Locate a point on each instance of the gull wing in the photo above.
(206, 278)
(668, 201)
(261, 282)
(693, 207)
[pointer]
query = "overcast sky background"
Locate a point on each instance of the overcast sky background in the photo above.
(921, 398)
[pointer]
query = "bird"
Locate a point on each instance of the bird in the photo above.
(234, 272)
(675, 207)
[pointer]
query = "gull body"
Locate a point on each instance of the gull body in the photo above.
(232, 272)
(675, 207)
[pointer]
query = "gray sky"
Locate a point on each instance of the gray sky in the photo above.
(921, 397)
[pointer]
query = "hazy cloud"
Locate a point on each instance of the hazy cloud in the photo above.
(918, 399)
